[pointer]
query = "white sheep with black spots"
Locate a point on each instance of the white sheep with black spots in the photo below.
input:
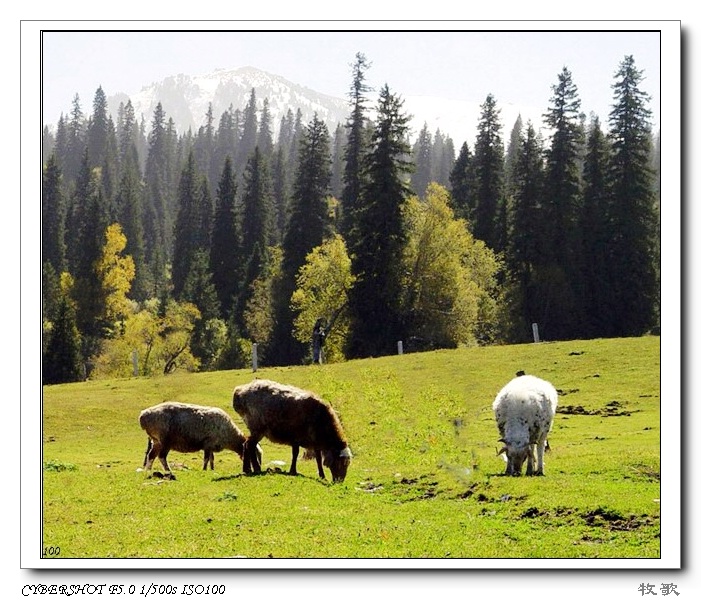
(524, 410)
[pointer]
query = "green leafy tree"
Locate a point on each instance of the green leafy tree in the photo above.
(160, 334)
(377, 250)
(115, 272)
(259, 314)
(448, 294)
(323, 284)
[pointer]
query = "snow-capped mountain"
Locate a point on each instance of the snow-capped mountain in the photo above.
(186, 98)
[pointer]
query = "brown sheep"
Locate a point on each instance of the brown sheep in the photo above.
(188, 428)
(295, 417)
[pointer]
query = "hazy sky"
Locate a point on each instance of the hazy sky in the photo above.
(517, 67)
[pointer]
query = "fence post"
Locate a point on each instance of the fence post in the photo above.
(135, 362)
(536, 337)
(400, 347)
(254, 357)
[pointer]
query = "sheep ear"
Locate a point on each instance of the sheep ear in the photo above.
(346, 452)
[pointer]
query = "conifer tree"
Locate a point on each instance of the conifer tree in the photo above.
(188, 227)
(489, 173)
(256, 224)
(98, 129)
(563, 199)
(595, 230)
(377, 249)
(423, 157)
(309, 224)
(53, 217)
(62, 361)
(463, 185)
(633, 285)
(75, 142)
(129, 215)
(225, 258)
(512, 153)
(157, 211)
(527, 250)
(265, 131)
(356, 147)
(249, 133)
(204, 147)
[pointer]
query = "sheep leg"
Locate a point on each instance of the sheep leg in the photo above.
(163, 453)
(250, 457)
(295, 454)
(153, 450)
(529, 465)
(541, 453)
(149, 444)
(208, 458)
(318, 463)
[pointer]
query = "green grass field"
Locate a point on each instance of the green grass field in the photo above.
(425, 480)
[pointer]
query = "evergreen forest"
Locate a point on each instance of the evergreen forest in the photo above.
(164, 250)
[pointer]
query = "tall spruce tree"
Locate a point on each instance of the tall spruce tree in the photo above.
(377, 249)
(423, 157)
(488, 164)
(157, 210)
(563, 200)
(225, 257)
(75, 142)
(595, 233)
(62, 362)
(356, 147)
(249, 134)
(129, 203)
(256, 225)
(309, 224)
(633, 283)
(463, 186)
(53, 217)
(191, 224)
(527, 249)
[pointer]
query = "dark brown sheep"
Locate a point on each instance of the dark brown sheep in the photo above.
(188, 428)
(295, 417)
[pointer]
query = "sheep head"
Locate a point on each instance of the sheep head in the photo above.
(515, 455)
(338, 462)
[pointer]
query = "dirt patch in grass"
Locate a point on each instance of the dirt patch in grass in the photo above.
(404, 489)
(599, 518)
(612, 409)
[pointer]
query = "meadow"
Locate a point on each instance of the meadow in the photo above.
(425, 481)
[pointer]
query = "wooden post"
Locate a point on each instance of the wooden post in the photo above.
(254, 357)
(536, 337)
(400, 347)
(135, 362)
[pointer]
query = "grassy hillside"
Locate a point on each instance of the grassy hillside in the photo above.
(424, 482)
